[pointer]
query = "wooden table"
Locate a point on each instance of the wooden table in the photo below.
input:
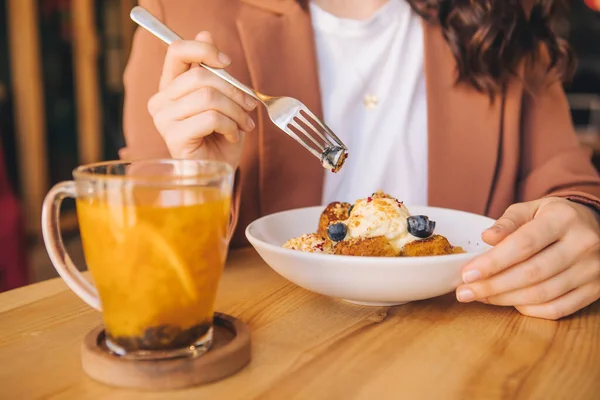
(312, 347)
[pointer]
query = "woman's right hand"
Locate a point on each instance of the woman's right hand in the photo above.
(198, 114)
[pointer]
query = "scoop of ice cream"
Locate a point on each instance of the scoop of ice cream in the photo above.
(380, 215)
(310, 243)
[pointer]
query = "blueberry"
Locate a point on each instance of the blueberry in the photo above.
(337, 232)
(350, 209)
(420, 226)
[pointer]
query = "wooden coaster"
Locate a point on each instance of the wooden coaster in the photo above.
(229, 353)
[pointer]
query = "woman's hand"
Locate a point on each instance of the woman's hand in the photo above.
(198, 114)
(546, 261)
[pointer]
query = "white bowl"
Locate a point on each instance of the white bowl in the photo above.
(374, 281)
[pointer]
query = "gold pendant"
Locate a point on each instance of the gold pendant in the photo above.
(370, 101)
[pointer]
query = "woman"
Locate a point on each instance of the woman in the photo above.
(462, 95)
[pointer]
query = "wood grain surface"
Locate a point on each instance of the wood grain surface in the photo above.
(307, 346)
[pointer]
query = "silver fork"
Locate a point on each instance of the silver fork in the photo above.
(290, 115)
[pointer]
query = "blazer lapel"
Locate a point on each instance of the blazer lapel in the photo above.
(278, 43)
(464, 133)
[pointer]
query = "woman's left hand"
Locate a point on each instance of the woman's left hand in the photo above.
(546, 260)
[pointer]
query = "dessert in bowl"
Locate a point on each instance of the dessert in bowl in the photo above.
(377, 251)
(377, 226)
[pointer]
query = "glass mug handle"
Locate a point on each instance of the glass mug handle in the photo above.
(56, 248)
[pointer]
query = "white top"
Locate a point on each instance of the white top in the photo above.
(382, 56)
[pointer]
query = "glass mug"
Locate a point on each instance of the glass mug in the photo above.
(154, 236)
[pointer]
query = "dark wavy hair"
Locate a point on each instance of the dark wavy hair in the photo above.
(490, 39)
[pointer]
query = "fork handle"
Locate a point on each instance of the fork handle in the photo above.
(146, 20)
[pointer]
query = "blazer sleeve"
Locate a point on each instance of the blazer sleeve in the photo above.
(553, 161)
(141, 80)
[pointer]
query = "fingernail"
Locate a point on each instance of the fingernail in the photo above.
(250, 123)
(471, 276)
(204, 35)
(224, 58)
(465, 295)
(494, 229)
(250, 102)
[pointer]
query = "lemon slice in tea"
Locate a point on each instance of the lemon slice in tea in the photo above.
(155, 245)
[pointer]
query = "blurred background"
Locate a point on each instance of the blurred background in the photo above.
(61, 95)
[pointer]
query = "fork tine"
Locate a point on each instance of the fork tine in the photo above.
(308, 135)
(302, 142)
(325, 127)
(314, 129)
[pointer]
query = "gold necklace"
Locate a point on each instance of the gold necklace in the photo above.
(370, 100)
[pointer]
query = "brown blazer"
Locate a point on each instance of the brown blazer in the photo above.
(482, 157)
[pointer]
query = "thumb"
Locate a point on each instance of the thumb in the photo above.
(513, 218)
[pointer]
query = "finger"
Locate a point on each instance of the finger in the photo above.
(197, 78)
(578, 275)
(526, 241)
(211, 99)
(565, 305)
(183, 53)
(190, 133)
(201, 125)
(204, 36)
(545, 264)
(513, 218)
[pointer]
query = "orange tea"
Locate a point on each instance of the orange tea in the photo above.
(156, 266)
(154, 236)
